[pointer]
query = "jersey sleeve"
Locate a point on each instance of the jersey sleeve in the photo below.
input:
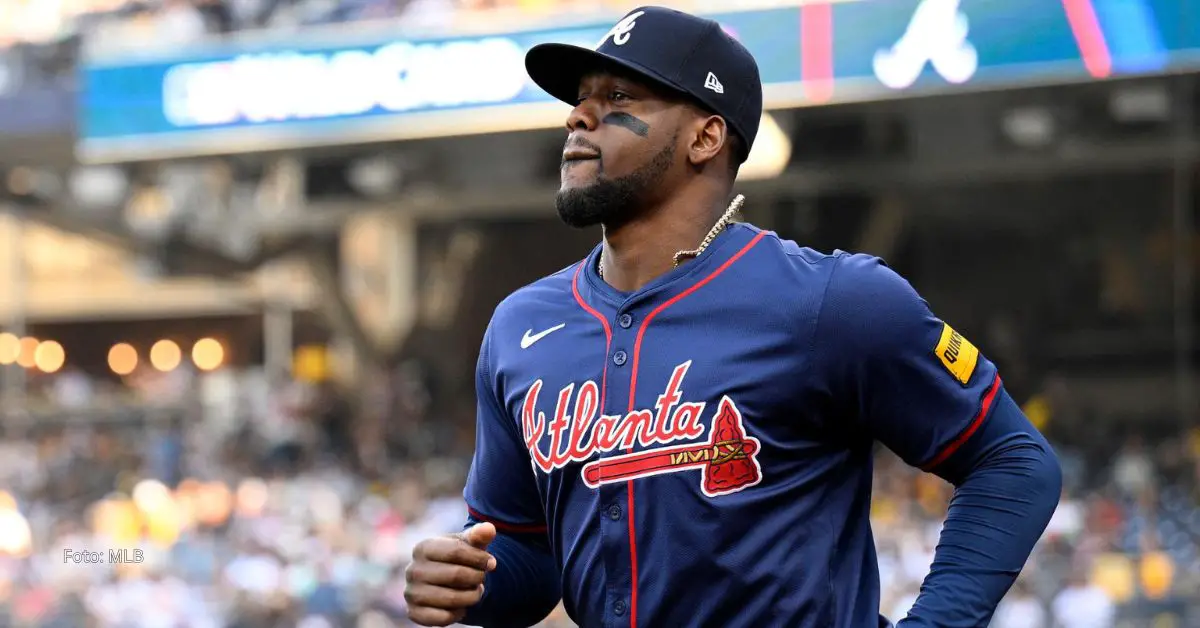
(500, 484)
(905, 377)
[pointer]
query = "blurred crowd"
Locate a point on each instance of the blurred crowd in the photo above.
(1121, 550)
(256, 505)
(249, 503)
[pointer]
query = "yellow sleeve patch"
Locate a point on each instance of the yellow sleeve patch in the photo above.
(957, 354)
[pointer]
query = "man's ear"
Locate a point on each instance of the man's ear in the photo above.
(708, 138)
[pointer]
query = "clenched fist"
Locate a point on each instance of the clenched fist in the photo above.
(446, 574)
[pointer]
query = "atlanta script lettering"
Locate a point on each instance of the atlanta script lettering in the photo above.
(728, 460)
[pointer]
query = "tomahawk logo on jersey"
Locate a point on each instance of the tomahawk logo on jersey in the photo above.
(719, 424)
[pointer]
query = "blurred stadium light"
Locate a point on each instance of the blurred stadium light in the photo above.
(1033, 128)
(771, 154)
(122, 358)
(376, 176)
(49, 356)
(16, 538)
(1142, 103)
(27, 356)
(98, 187)
(208, 354)
(165, 355)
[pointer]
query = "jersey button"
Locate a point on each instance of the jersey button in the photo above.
(619, 358)
(619, 607)
(614, 512)
(625, 321)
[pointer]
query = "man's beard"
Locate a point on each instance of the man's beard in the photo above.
(613, 202)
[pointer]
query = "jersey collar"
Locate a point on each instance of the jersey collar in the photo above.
(727, 243)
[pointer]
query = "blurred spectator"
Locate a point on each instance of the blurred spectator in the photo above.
(1020, 609)
(1083, 605)
(1132, 471)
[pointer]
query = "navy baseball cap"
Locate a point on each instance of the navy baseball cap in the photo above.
(690, 55)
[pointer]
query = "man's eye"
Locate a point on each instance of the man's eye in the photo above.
(618, 96)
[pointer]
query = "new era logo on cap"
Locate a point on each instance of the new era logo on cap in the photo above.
(711, 82)
(670, 48)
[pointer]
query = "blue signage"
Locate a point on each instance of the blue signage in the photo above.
(266, 96)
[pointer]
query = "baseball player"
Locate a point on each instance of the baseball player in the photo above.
(677, 431)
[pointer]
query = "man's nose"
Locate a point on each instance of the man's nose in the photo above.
(584, 117)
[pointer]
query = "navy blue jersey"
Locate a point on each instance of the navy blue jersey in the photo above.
(699, 451)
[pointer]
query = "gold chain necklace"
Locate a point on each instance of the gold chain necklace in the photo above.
(717, 228)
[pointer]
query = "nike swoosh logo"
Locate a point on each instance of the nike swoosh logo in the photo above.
(528, 340)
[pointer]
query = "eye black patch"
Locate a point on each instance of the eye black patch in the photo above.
(633, 123)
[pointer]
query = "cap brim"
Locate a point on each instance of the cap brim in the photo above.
(558, 68)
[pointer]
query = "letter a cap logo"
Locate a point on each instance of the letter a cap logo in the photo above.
(621, 31)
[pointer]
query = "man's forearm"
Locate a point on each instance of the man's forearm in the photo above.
(1009, 488)
(522, 590)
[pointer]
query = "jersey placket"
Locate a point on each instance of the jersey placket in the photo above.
(618, 531)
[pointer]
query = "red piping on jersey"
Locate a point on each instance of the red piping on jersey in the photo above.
(816, 51)
(637, 352)
(1089, 37)
(955, 444)
(506, 527)
(603, 323)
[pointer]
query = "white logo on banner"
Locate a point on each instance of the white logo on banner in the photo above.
(937, 34)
